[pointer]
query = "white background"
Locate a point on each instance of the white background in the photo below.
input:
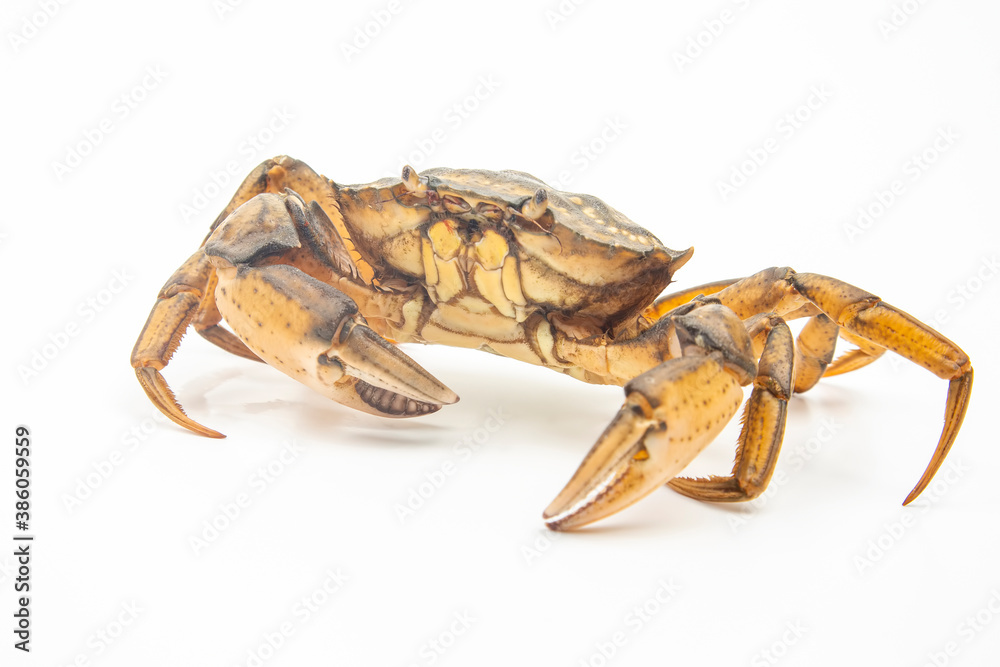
(829, 552)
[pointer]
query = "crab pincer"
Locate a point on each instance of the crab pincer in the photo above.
(302, 326)
(314, 333)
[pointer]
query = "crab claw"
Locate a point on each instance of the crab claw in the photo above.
(380, 374)
(671, 413)
(313, 333)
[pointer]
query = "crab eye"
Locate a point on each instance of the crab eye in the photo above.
(412, 182)
(536, 205)
(535, 214)
(489, 211)
(455, 204)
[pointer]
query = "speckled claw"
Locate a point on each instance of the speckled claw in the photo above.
(406, 388)
(313, 333)
(653, 437)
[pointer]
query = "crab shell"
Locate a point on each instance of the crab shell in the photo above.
(548, 251)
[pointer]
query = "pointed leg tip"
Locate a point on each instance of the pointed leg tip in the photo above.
(182, 419)
(210, 433)
(162, 397)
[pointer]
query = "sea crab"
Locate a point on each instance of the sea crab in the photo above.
(321, 280)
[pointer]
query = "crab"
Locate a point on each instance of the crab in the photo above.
(322, 280)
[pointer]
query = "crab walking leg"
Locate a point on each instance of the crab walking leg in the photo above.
(206, 322)
(865, 353)
(177, 304)
(814, 350)
(763, 424)
(274, 175)
(668, 302)
(313, 333)
(865, 316)
(671, 413)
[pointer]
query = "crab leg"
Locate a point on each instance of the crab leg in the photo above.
(763, 423)
(865, 353)
(206, 322)
(668, 302)
(864, 316)
(176, 305)
(814, 350)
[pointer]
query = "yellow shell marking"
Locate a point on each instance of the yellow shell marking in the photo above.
(491, 250)
(511, 281)
(446, 242)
